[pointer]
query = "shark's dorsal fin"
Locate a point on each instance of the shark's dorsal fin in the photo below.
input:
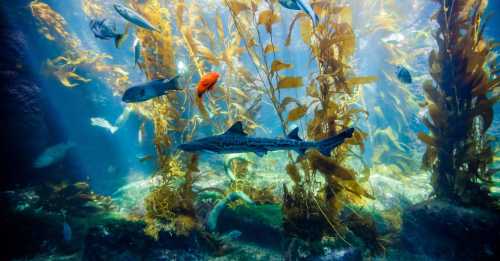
(294, 134)
(236, 129)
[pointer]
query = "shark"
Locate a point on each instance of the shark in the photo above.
(135, 18)
(235, 140)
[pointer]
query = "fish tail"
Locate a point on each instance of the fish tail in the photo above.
(120, 38)
(327, 145)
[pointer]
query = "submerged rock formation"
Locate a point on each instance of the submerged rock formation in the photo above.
(446, 231)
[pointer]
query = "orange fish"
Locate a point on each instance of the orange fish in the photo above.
(207, 83)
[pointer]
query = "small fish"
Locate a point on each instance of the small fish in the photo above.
(67, 232)
(106, 30)
(207, 83)
(52, 155)
(301, 5)
(141, 133)
(150, 90)
(235, 140)
(403, 74)
(133, 17)
(144, 158)
(137, 51)
(103, 123)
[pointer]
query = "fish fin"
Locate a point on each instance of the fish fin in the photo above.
(261, 153)
(327, 145)
(169, 85)
(236, 129)
(301, 152)
(294, 134)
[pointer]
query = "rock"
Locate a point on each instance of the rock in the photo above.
(120, 239)
(261, 224)
(443, 230)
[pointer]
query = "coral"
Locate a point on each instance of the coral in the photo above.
(460, 104)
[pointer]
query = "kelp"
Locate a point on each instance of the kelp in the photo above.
(312, 208)
(460, 102)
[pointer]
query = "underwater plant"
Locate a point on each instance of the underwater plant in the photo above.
(460, 106)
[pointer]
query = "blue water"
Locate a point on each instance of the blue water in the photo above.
(110, 161)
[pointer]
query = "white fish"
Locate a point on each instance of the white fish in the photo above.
(141, 133)
(100, 122)
(52, 155)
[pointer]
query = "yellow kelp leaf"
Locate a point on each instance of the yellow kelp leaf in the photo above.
(361, 80)
(426, 139)
(220, 25)
(312, 90)
(279, 65)
(297, 113)
(268, 18)
(207, 54)
(287, 100)
(306, 30)
(290, 29)
(271, 48)
(290, 82)
(293, 172)
(237, 6)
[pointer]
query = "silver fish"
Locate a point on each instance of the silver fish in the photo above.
(135, 18)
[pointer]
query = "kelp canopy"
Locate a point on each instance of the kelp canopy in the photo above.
(460, 105)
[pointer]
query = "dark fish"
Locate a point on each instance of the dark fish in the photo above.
(106, 30)
(403, 74)
(150, 90)
(301, 5)
(235, 140)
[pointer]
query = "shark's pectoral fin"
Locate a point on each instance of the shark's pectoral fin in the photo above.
(261, 153)
(301, 151)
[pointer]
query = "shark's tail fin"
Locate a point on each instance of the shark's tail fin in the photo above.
(120, 38)
(327, 145)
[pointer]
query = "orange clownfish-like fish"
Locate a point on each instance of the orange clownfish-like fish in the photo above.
(207, 83)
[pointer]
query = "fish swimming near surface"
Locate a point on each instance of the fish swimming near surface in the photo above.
(207, 83)
(301, 5)
(106, 30)
(150, 90)
(134, 17)
(103, 123)
(403, 74)
(52, 155)
(235, 140)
